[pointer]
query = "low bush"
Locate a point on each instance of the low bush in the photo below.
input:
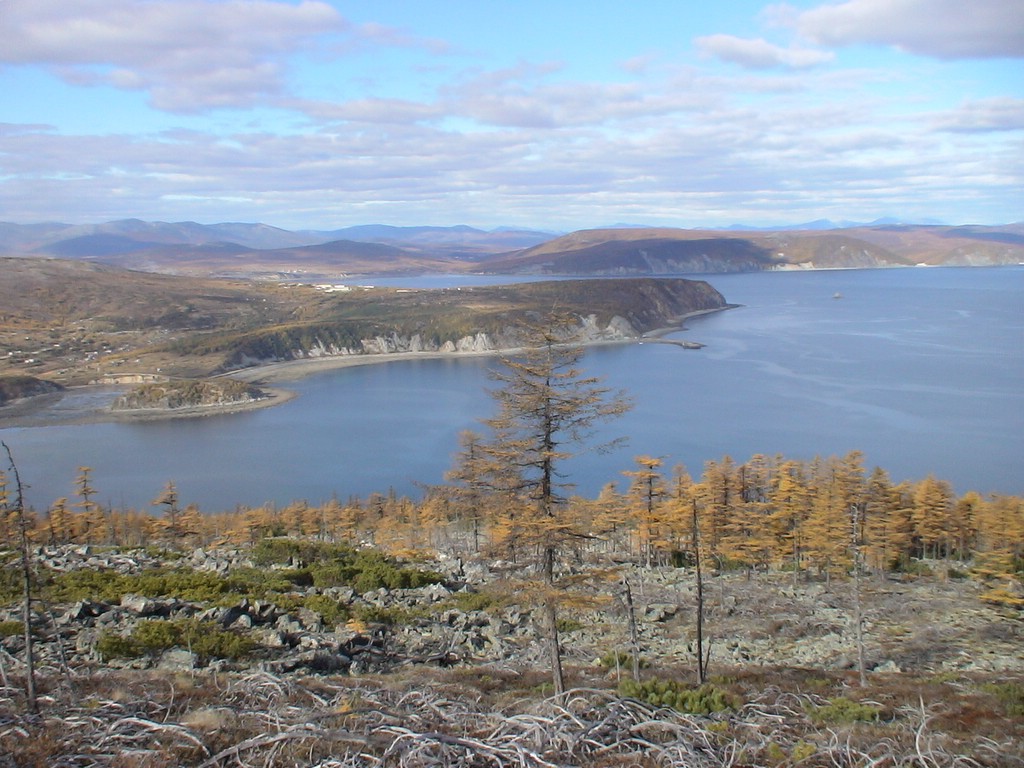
(705, 700)
(474, 601)
(153, 637)
(1010, 696)
(338, 565)
(114, 646)
(619, 660)
(844, 711)
(11, 628)
(330, 610)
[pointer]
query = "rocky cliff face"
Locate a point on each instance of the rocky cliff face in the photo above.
(605, 310)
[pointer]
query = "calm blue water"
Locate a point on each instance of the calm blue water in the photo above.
(921, 369)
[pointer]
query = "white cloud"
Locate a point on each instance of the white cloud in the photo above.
(760, 54)
(517, 144)
(944, 29)
(189, 54)
(654, 160)
(985, 115)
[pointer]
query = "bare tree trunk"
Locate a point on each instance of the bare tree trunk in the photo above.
(554, 650)
(634, 637)
(858, 611)
(31, 703)
(551, 611)
(702, 661)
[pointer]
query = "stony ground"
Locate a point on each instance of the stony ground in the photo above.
(454, 674)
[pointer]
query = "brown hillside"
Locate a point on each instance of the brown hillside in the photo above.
(665, 251)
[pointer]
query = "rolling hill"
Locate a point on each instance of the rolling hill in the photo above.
(72, 321)
(260, 251)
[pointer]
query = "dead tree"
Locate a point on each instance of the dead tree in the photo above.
(18, 508)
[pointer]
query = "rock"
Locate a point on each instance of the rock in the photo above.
(85, 642)
(139, 605)
(84, 610)
(315, 661)
(310, 620)
(660, 611)
(177, 660)
(272, 638)
(436, 592)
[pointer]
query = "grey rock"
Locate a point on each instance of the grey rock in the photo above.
(660, 611)
(139, 605)
(177, 660)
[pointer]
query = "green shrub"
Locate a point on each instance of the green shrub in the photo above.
(114, 646)
(618, 659)
(338, 565)
(1010, 695)
(844, 711)
(332, 575)
(11, 628)
(473, 601)
(912, 567)
(376, 571)
(153, 637)
(705, 700)
(280, 551)
(331, 610)
(568, 625)
(157, 635)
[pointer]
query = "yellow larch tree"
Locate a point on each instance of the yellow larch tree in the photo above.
(885, 539)
(646, 494)
(932, 512)
(789, 503)
(747, 533)
(718, 497)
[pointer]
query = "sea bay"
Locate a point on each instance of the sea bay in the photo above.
(921, 369)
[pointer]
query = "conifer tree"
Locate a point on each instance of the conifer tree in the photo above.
(836, 487)
(933, 505)
(472, 493)
(59, 522)
(677, 519)
(789, 503)
(547, 412)
(91, 521)
(881, 534)
(746, 535)
(608, 518)
(718, 497)
(646, 493)
(168, 499)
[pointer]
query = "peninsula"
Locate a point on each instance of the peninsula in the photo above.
(183, 346)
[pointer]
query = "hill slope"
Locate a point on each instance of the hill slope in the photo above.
(667, 251)
(256, 250)
(73, 321)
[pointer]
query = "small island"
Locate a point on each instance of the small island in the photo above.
(189, 394)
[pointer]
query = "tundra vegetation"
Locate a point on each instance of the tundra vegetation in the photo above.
(393, 631)
(771, 612)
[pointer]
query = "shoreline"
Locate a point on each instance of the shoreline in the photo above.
(44, 410)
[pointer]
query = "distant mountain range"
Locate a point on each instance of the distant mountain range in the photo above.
(259, 250)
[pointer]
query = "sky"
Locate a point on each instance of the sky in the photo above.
(545, 114)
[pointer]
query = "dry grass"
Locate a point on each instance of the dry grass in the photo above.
(492, 717)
